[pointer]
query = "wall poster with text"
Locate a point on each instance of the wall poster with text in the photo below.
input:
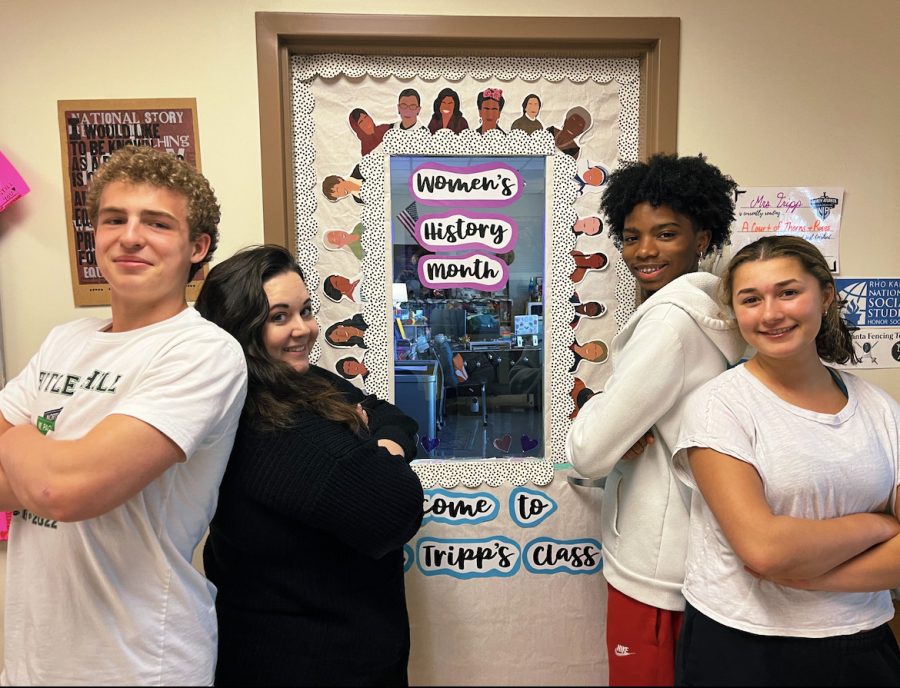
(90, 131)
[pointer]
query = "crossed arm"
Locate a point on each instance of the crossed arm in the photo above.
(72, 480)
(856, 552)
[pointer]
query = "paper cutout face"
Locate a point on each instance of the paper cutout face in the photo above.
(349, 332)
(589, 226)
(587, 261)
(337, 287)
(595, 351)
(350, 367)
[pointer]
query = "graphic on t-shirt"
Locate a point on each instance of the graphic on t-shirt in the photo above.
(47, 421)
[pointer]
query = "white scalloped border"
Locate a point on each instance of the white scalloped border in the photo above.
(449, 474)
(455, 68)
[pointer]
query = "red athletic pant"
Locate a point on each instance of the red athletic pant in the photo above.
(641, 641)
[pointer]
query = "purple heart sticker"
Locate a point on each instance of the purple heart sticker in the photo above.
(430, 443)
(528, 444)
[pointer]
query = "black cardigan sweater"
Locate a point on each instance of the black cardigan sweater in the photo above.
(306, 551)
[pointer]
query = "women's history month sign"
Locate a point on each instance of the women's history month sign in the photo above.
(489, 185)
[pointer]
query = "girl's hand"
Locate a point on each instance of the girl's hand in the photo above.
(361, 412)
(638, 447)
(391, 446)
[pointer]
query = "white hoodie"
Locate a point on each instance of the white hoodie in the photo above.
(674, 342)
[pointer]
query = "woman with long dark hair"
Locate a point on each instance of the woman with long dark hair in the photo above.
(446, 113)
(317, 501)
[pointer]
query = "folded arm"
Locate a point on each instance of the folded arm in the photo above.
(878, 568)
(8, 499)
(780, 547)
(72, 480)
(615, 423)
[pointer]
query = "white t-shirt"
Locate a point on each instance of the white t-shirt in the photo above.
(114, 599)
(812, 465)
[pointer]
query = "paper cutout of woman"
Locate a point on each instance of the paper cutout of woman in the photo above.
(590, 225)
(578, 121)
(591, 178)
(446, 113)
(338, 239)
(336, 187)
(337, 287)
(490, 105)
(580, 393)
(585, 262)
(528, 122)
(588, 309)
(349, 332)
(368, 133)
(595, 351)
(349, 368)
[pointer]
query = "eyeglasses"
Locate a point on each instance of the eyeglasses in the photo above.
(409, 108)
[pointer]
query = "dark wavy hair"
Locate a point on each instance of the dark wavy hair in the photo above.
(834, 343)
(233, 296)
(444, 92)
(688, 185)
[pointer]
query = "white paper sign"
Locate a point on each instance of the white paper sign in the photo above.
(810, 212)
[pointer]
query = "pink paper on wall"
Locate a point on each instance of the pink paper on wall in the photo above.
(5, 520)
(12, 186)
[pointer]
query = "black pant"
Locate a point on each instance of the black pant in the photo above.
(710, 654)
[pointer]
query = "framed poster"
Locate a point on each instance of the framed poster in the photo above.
(89, 131)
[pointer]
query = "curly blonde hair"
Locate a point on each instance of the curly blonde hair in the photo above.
(145, 165)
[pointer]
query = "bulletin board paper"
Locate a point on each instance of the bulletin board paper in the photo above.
(89, 131)
(533, 618)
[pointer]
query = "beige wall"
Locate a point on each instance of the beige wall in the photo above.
(776, 92)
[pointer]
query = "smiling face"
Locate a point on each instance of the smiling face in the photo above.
(779, 307)
(660, 245)
(144, 250)
(447, 106)
(291, 329)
